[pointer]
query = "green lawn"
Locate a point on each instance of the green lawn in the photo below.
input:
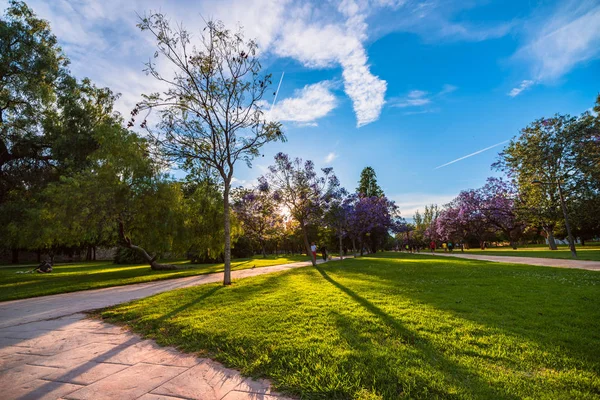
(94, 275)
(588, 252)
(394, 326)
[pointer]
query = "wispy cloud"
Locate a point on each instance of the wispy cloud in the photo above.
(567, 37)
(471, 155)
(420, 98)
(409, 203)
(525, 84)
(308, 104)
(330, 157)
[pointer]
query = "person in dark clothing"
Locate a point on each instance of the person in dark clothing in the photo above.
(324, 253)
(44, 268)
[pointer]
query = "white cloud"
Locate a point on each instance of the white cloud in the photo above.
(415, 98)
(571, 35)
(419, 98)
(523, 86)
(308, 104)
(326, 44)
(330, 157)
(409, 203)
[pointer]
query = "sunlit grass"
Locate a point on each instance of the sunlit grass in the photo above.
(93, 275)
(588, 252)
(394, 326)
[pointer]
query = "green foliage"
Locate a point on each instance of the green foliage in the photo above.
(367, 184)
(393, 326)
(561, 150)
(123, 255)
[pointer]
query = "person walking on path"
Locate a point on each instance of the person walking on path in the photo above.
(313, 250)
(432, 246)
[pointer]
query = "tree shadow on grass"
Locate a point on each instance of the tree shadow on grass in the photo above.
(550, 307)
(453, 373)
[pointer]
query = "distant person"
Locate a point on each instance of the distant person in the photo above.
(432, 246)
(44, 268)
(450, 247)
(313, 250)
(462, 247)
(445, 247)
(324, 253)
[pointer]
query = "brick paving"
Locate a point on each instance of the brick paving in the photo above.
(50, 350)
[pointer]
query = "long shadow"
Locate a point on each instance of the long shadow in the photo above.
(42, 391)
(453, 372)
(522, 301)
(188, 304)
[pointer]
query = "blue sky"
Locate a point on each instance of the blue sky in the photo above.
(403, 86)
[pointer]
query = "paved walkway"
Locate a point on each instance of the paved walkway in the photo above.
(544, 262)
(49, 350)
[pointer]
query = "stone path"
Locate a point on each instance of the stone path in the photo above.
(49, 350)
(77, 358)
(544, 262)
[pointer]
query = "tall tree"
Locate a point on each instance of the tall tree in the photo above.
(31, 64)
(211, 110)
(298, 187)
(367, 184)
(547, 151)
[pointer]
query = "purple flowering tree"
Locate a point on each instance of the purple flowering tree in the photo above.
(463, 217)
(299, 188)
(338, 214)
(371, 217)
(258, 212)
(498, 205)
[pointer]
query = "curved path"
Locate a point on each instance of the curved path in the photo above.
(49, 350)
(543, 262)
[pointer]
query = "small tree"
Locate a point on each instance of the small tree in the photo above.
(211, 111)
(258, 213)
(296, 185)
(367, 184)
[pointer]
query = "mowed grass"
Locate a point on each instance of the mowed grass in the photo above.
(393, 326)
(94, 275)
(587, 252)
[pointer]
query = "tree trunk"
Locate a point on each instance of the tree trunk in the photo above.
(262, 245)
(227, 255)
(94, 252)
(307, 245)
(551, 241)
(126, 242)
(353, 247)
(341, 248)
(15, 256)
(360, 243)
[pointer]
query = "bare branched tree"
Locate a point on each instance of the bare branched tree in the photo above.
(211, 111)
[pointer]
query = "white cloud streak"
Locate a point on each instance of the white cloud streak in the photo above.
(471, 155)
(523, 86)
(568, 37)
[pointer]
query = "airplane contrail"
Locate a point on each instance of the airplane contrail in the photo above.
(277, 91)
(472, 154)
